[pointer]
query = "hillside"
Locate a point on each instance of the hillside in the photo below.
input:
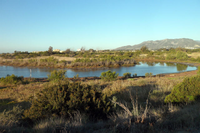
(166, 43)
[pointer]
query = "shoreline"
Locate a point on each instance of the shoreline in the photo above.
(120, 77)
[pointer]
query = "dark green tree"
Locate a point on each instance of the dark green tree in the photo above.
(144, 49)
(50, 50)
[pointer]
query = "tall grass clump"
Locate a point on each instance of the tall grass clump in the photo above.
(186, 91)
(136, 110)
(64, 100)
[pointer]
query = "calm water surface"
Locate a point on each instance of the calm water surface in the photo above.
(144, 67)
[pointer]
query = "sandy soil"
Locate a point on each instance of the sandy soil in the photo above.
(194, 55)
(190, 73)
(43, 57)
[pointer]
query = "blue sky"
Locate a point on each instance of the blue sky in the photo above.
(34, 25)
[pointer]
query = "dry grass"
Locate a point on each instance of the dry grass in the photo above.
(21, 92)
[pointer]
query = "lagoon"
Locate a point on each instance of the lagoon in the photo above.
(140, 69)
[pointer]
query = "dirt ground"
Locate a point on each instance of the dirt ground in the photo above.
(190, 73)
(43, 57)
(194, 55)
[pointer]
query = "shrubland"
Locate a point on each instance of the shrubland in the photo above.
(120, 105)
(106, 104)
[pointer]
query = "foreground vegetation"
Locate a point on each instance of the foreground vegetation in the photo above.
(125, 104)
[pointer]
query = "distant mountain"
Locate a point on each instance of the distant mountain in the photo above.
(166, 43)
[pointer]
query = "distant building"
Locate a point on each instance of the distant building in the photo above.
(190, 48)
(56, 50)
(35, 51)
(79, 49)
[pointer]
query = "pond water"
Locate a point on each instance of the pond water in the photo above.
(141, 69)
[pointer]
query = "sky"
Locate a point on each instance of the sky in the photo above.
(35, 25)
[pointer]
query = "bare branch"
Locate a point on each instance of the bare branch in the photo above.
(124, 107)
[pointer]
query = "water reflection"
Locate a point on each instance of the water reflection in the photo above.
(181, 67)
(151, 63)
(162, 63)
(170, 64)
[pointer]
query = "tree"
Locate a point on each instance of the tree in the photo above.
(91, 50)
(181, 55)
(67, 51)
(144, 49)
(82, 49)
(50, 51)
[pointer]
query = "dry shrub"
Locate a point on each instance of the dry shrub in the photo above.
(12, 117)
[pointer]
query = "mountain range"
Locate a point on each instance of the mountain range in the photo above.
(166, 43)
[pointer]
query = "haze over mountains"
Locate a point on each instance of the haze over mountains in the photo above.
(166, 43)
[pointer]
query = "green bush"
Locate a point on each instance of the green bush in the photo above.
(170, 56)
(186, 91)
(127, 75)
(109, 75)
(198, 72)
(11, 80)
(57, 75)
(50, 60)
(64, 100)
